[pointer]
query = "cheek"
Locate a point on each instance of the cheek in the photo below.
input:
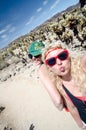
(55, 69)
(67, 64)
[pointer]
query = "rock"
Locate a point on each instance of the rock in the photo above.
(1, 108)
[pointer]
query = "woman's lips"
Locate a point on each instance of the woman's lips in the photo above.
(62, 69)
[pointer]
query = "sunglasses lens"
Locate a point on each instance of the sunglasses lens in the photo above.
(63, 55)
(51, 61)
(30, 56)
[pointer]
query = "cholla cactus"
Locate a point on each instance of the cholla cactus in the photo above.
(84, 33)
(82, 3)
(67, 37)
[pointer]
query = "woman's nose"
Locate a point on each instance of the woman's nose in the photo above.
(58, 61)
(33, 58)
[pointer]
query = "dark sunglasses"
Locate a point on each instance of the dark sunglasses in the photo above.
(62, 56)
(31, 56)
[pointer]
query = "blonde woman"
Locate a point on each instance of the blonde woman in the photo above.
(35, 54)
(70, 79)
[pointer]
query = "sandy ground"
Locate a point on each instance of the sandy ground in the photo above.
(27, 102)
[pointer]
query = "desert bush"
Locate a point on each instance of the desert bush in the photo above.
(3, 64)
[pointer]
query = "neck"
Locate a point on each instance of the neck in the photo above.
(67, 77)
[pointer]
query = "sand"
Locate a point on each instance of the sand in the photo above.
(27, 102)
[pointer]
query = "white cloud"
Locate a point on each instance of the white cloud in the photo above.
(30, 20)
(8, 26)
(45, 2)
(39, 9)
(4, 36)
(12, 29)
(7, 29)
(55, 4)
(2, 31)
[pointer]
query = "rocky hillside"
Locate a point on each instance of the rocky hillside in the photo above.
(68, 26)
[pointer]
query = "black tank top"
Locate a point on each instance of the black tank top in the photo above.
(79, 104)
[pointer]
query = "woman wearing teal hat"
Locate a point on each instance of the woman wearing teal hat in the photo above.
(35, 53)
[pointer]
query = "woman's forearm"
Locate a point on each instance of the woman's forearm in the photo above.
(51, 88)
(75, 114)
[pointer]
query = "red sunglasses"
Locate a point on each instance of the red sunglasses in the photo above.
(61, 56)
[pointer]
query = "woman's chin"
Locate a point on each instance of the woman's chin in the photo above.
(63, 73)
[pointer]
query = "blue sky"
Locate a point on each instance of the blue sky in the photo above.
(19, 17)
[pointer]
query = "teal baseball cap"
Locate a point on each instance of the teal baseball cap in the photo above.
(35, 48)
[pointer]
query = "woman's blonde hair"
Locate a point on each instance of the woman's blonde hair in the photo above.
(79, 74)
(77, 71)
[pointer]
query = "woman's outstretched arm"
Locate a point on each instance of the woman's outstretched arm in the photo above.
(50, 87)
